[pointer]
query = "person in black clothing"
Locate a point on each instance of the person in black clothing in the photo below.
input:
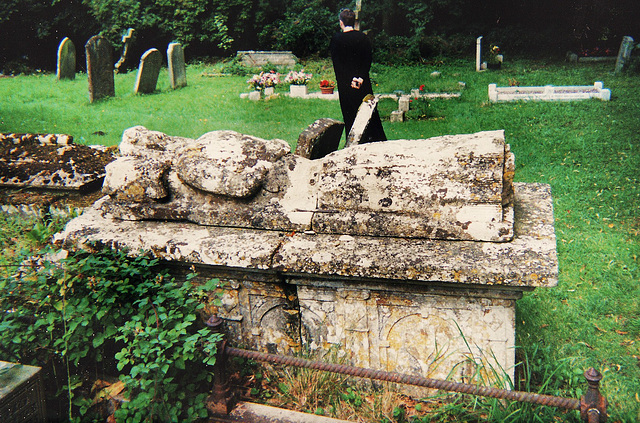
(351, 55)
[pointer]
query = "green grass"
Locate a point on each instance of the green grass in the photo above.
(589, 152)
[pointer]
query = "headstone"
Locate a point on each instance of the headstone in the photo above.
(397, 116)
(403, 103)
(100, 68)
(320, 138)
(626, 46)
(571, 57)
(127, 40)
(177, 67)
(66, 60)
(363, 117)
(148, 72)
(254, 95)
(479, 54)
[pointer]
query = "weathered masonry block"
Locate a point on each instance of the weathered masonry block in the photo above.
(337, 251)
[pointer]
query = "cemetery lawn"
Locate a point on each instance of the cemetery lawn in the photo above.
(588, 151)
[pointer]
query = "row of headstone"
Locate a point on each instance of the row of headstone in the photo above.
(100, 68)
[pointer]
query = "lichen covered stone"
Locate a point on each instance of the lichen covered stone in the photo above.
(456, 187)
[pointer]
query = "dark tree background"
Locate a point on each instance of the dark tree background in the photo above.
(403, 30)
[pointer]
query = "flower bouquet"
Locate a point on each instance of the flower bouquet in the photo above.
(298, 77)
(264, 80)
(495, 58)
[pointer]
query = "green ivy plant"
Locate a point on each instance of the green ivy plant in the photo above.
(122, 312)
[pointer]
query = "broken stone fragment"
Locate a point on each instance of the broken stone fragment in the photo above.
(227, 163)
(136, 179)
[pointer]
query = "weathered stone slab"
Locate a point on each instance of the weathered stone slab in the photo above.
(452, 187)
(319, 139)
(528, 261)
(260, 58)
(148, 72)
(66, 68)
(361, 122)
(227, 163)
(100, 68)
(50, 161)
(177, 66)
(174, 241)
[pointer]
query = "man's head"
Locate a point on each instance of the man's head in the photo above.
(348, 17)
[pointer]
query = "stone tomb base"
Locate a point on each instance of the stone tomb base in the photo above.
(440, 309)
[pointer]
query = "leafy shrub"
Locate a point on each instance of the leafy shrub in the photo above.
(81, 310)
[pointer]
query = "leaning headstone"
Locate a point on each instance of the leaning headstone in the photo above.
(626, 46)
(177, 67)
(320, 138)
(66, 60)
(148, 72)
(100, 68)
(363, 117)
(127, 40)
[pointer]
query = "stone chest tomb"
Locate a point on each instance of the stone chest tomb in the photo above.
(406, 255)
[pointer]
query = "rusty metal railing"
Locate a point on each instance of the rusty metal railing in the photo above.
(592, 405)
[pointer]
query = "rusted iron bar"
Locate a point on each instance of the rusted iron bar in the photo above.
(219, 402)
(567, 403)
(592, 405)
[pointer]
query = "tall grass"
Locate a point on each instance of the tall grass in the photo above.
(589, 152)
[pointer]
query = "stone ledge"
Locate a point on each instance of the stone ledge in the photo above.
(528, 261)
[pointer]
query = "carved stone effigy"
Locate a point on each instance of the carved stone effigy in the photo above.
(451, 187)
(407, 255)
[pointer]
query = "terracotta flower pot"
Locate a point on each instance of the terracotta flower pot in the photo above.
(326, 90)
